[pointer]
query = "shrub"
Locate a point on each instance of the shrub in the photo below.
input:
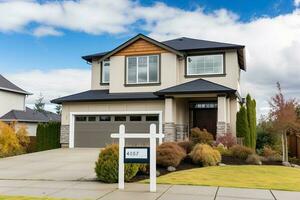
(254, 159)
(241, 152)
(9, 143)
(187, 146)
(228, 140)
(265, 138)
(169, 154)
(22, 135)
(206, 155)
(107, 165)
(223, 150)
(144, 168)
(198, 136)
(268, 152)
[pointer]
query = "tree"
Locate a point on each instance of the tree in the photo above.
(284, 115)
(58, 109)
(242, 126)
(39, 104)
(251, 114)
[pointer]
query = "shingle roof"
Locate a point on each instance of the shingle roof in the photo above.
(186, 44)
(30, 115)
(196, 87)
(179, 44)
(104, 95)
(9, 86)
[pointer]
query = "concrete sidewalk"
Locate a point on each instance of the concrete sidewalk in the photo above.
(96, 190)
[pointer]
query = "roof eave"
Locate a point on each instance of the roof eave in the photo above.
(193, 92)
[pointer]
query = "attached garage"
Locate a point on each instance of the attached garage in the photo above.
(93, 131)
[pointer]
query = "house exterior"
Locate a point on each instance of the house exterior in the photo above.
(177, 84)
(13, 109)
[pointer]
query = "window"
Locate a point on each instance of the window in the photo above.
(205, 64)
(80, 118)
(135, 118)
(105, 72)
(142, 69)
(104, 118)
(152, 118)
(91, 118)
(120, 118)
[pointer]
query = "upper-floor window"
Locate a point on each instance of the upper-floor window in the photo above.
(205, 64)
(105, 72)
(142, 69)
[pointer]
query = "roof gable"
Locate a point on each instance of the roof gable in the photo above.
(9, 86)
(143, 37)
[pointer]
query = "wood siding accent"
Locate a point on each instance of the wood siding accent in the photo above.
(140, 47)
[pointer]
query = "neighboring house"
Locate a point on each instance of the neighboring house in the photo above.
(177, 84)
(12, 107)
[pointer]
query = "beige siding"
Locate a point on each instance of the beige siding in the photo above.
(109, 107)
(11, 101)
(96, 74)
(117, 71)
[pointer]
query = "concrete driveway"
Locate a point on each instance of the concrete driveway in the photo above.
(58, 165)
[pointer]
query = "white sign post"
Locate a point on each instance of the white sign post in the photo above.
(152, 137)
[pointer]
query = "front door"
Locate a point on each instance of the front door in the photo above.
(204, 116)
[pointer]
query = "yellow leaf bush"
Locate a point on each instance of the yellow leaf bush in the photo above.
(205, 155)
(11, 143)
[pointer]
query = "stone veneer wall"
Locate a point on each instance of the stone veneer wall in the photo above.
(221, 128)
(64, 136)
(169, 129)
(181, 132)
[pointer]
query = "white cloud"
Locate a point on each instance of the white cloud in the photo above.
(272, 43)
(51, 84)
(89, 16)
(46, 31)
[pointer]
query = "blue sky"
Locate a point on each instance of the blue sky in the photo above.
(65, 51)
(41, 42)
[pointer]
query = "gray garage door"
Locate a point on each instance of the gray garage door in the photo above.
(95, 130)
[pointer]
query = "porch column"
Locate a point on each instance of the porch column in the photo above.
(169, 126)
(222, 115)
(228, 117)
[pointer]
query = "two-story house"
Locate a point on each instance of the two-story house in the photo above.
(177, 84)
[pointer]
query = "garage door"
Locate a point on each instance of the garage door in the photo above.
(95, 130)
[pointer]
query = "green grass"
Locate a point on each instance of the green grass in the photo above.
(2, 197)
(244, 176)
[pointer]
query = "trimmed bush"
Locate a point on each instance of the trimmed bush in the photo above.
(242, 126)
(169, 154)
(205, 155)
(107, 165)
(187, 146)
(251, 114)
(198, 136)
(253, 159)
(228, 140)
(48, 136)
(241, 152)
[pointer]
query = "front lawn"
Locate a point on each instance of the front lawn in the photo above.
(243, 176)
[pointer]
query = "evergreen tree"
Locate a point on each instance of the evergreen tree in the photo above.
(251, 115)
(242, 126)
(39, 104)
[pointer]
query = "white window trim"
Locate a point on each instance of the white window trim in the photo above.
(74, 114)
(148, 70)
(102, 74)
(200, 74)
